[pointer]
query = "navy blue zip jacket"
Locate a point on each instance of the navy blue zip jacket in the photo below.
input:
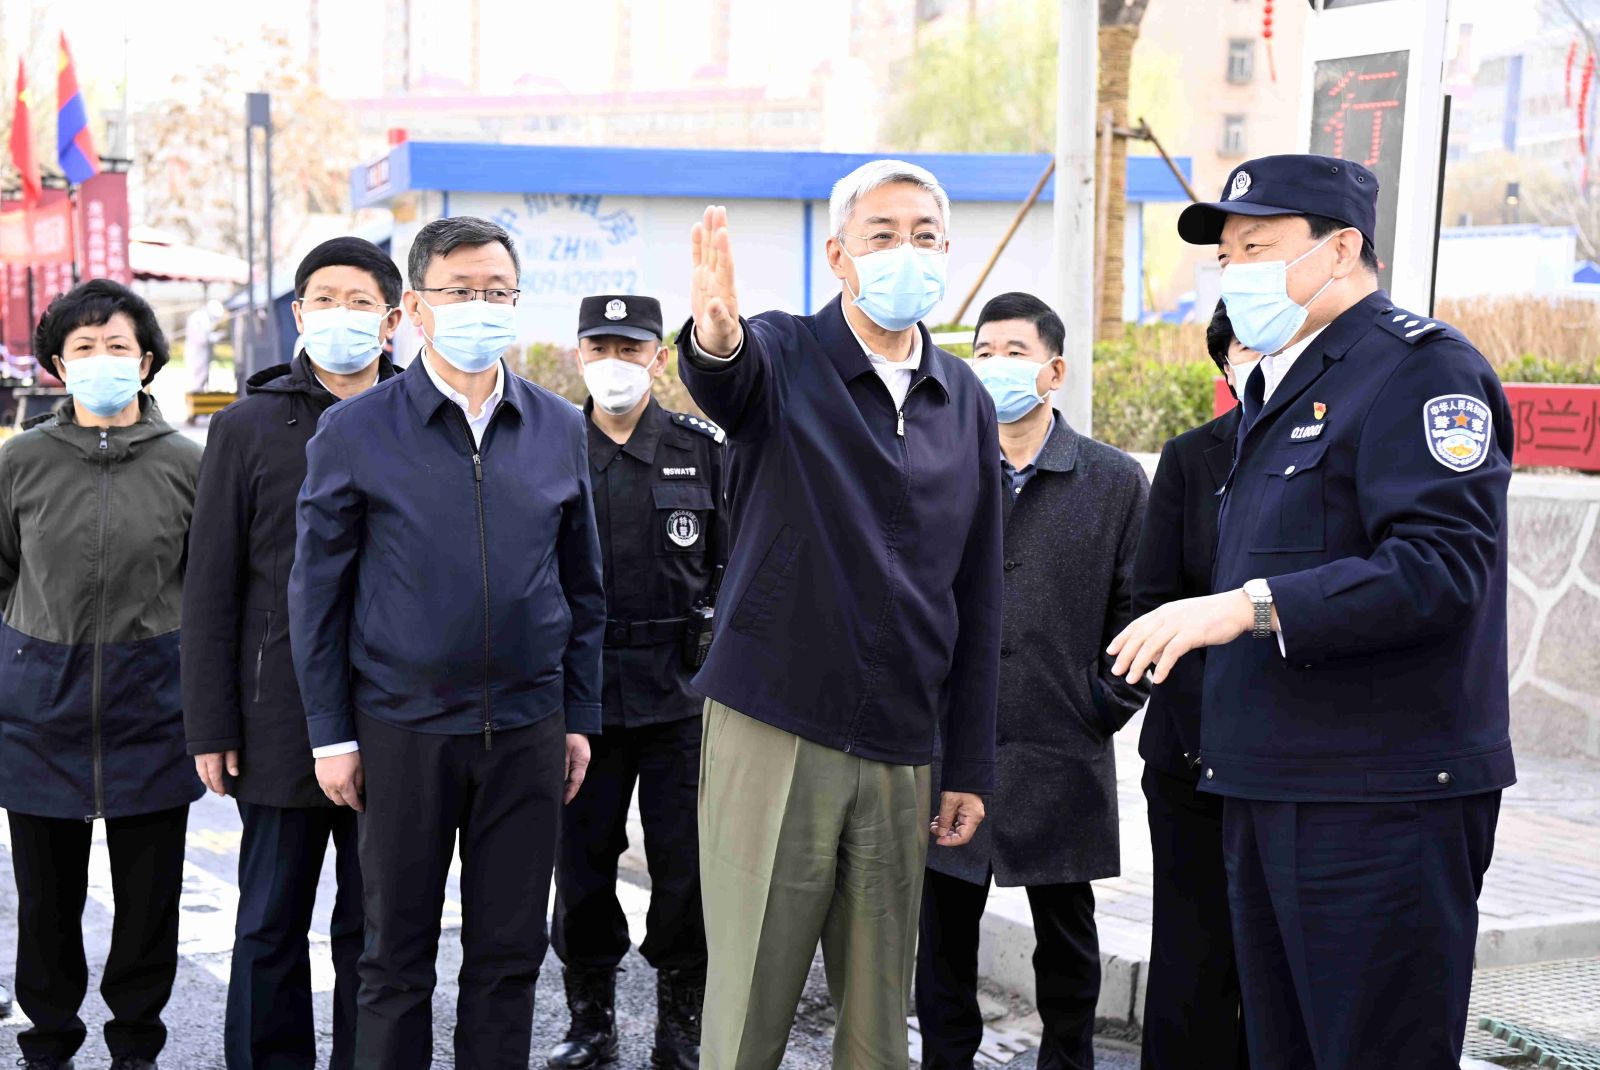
(442, 588)
(862, 598)
(1371, 493)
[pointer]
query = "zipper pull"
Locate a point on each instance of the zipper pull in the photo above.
(900, 427)
(488, 735)
(103, 443)
(477, 472)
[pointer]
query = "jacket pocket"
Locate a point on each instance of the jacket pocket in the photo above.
(1290, 516)
(768, 583)
(1099, 719)
(683, 512)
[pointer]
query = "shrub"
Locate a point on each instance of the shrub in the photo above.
(1142, 399)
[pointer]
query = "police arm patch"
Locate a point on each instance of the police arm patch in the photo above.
(1459, 431)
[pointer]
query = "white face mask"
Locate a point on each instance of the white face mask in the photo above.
(1241, 374)
(616, 385)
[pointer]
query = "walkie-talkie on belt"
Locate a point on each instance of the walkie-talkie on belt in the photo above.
(697, 632)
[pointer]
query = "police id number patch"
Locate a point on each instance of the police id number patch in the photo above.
(1459, 430)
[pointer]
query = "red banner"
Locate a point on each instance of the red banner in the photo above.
(1557, 425)
(103, 228)
(19, 322)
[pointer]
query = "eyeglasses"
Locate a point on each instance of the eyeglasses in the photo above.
(358, 303)
(879, 241)
(455, 295)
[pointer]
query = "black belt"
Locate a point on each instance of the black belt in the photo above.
(621, 633)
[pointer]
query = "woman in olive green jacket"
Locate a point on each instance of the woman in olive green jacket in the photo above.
(94, 520)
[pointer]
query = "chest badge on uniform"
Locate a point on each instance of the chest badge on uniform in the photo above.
(616, 310)
(683, 528)
(1459, 430)
(1307, 431)
(682, 472)
(1318, 409)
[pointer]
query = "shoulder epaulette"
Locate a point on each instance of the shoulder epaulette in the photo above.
(700, 424)
(1409, 327)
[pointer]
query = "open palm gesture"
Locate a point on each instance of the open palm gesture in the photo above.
(715, 302)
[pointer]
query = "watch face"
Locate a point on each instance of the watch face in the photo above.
(1257, 589)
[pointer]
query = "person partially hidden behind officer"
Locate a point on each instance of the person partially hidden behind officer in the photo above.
(1355, 705)
(657, 479)
(243, 715)
(1192, 1003)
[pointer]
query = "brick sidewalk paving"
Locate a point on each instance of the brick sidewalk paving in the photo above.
(1541, 897)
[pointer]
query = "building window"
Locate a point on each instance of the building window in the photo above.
(1233, 139)
(1241, 60)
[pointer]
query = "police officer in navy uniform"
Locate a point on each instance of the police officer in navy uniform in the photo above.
(658, 504)
(1355, 703)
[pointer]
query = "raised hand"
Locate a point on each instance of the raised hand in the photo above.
(714, 299)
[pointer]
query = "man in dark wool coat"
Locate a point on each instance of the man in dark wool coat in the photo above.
(1073, 509)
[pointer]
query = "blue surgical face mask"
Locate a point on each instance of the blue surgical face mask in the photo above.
(103, 384)
(341, 340)
(1013, 383)
(1264, 317)
(898, 286)
(472, 335)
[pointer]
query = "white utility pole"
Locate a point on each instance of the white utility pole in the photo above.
(1074, 203)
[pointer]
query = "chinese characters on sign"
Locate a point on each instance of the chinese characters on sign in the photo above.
(1556, 425)
(1358, 113)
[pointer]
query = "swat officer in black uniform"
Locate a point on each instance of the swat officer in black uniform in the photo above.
(1355, 702)
(663, 537)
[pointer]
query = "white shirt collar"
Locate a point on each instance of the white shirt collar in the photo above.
(910, 364)
(490, 403)
(1275, 369)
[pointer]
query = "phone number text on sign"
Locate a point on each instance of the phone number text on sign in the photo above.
(578, 283)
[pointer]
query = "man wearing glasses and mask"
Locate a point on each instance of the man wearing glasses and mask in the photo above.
(242, 712)
(446, 615)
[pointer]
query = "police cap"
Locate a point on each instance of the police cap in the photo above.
(1289, 185)
(624, 315)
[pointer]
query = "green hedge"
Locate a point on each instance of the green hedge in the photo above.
(1140, 402)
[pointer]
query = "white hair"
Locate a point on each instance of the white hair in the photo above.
(868, 177)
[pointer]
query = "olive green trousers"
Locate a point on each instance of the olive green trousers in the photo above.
(801, 844)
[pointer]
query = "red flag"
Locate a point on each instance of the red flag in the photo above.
(22, 142)
(74, 145)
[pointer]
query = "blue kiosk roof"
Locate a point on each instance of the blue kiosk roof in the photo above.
(706, 173)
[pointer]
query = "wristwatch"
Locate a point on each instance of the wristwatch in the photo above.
(1260, 596)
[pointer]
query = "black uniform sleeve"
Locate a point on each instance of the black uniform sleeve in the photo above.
(1435, 529)
(214, 595)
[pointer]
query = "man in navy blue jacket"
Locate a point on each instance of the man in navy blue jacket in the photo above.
(860, 615)
(446, 616)
(1355, 706)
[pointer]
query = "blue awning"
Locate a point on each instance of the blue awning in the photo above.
(475, 167)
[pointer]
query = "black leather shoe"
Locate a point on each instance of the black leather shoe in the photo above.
(129, 1062)
(592, 1038)
(680, 995)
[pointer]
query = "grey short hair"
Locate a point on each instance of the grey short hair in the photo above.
(444, 236)
(869, 176)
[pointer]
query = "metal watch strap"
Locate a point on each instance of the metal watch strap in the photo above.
(1263, 623)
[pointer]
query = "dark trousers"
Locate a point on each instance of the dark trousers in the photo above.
(1066, 970)
(51, 859)
(270, 1025)
(422, 791)
(590, 929)
(1192, 1003)
(1355, 925)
